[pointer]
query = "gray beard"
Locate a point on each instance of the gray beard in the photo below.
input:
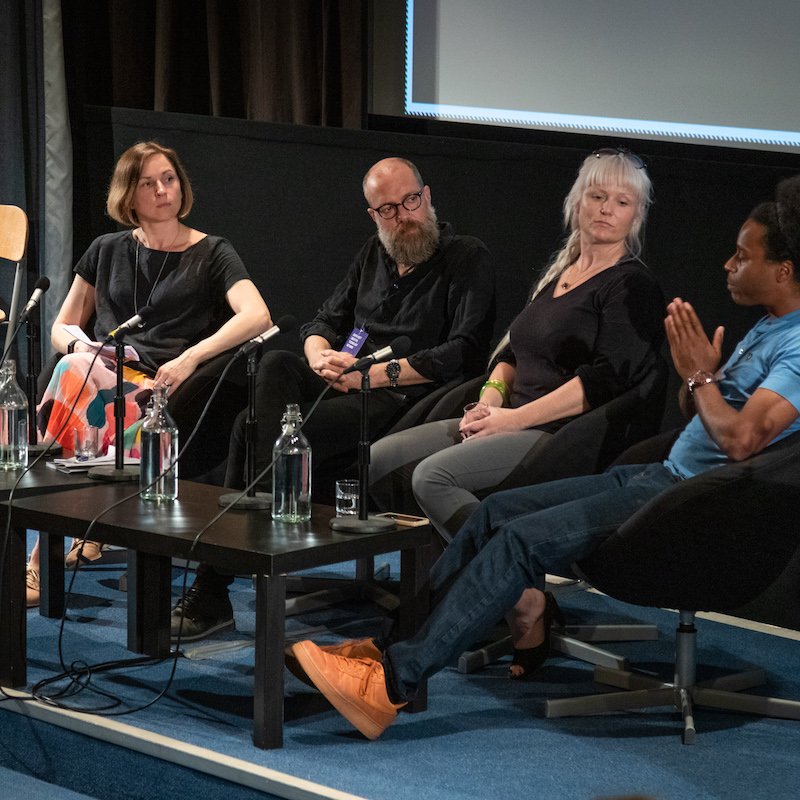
(412, 242)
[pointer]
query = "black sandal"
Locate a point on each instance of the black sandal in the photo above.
(531, 658)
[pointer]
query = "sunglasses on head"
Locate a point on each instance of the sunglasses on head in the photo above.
(637, 161)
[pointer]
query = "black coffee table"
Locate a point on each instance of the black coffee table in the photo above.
(243, 542)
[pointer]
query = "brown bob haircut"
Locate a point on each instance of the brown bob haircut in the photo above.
(128, 170)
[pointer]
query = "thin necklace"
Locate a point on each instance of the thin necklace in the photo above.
(136, 280)
(566, 285)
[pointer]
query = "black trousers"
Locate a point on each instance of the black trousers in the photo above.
(333, 429)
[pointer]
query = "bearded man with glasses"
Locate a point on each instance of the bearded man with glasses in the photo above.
(415, 277)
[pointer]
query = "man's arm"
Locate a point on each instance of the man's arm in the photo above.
(738, 433)
(741, 434)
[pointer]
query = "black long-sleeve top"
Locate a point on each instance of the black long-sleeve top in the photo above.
(446, 306)
(607, 332)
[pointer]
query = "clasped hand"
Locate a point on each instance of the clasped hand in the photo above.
(330, 364)
(481, 419)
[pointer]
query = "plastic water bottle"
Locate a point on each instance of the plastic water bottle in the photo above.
(13, 420)
(158, 465)
(291, 472)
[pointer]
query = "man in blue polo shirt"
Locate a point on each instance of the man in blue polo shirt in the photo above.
(514, 538)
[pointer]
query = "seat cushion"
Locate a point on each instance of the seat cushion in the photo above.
(713, 542)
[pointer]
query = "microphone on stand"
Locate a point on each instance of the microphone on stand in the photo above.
(137, 321)
(120, 472)
(254, 500)
(397, 349)
(32, 335)
(42, 285)
(285, 324)
(364, 523)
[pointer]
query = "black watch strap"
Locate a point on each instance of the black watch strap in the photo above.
(71, 346)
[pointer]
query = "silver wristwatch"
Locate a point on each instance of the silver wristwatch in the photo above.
(393, 372)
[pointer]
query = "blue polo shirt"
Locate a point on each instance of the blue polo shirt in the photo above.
(767, 358)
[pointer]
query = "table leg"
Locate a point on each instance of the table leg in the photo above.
(268, 691)
(149, 603)
(51, 574)
(365, 568)
(13, 622)
(415, 565)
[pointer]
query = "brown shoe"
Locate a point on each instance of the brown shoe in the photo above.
(32, 587)
(91, 552)
(350, 648)
(354, 686)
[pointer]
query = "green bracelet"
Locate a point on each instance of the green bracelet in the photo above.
(500, 386)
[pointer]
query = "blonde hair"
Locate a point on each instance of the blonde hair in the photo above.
(601, 168)
(124, 180)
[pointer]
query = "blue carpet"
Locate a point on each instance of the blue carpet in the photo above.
(482, 736)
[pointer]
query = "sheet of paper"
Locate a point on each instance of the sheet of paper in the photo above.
(74, 465)
(108, 351)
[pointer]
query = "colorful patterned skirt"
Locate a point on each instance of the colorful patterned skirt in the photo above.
(95, 405)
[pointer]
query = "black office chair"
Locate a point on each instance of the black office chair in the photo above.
(714, 542)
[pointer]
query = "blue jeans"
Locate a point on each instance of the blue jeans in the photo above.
(508, 545)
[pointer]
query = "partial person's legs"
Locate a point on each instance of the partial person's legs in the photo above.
(205, 608)
(515, 548)
(445, 484)
(394, 458)
(283, 378)
(516, 554)
(32, 580)
(332, 429)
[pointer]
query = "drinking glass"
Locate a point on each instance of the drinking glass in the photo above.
(86, 438)
(347, 498)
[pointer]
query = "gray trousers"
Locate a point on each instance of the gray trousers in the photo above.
(443, 473)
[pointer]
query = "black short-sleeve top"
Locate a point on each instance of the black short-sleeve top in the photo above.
(185, 290)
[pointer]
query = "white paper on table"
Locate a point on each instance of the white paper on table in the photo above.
(108, 351)
(73, 464)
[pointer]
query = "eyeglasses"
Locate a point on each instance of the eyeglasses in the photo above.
(637, 161)
(411, 202)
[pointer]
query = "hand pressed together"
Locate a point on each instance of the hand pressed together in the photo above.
(689, 346)
(476, 424)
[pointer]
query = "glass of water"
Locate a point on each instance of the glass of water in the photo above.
(347, 498)
(86, 442)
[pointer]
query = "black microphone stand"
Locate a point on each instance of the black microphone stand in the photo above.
(34, 448)
(363, 523)
(253, 500)
(119, 472)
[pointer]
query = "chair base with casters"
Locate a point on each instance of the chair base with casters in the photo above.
(683, 694)
(573, 641)
(713, 542)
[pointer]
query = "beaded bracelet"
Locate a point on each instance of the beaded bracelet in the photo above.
(500, 386)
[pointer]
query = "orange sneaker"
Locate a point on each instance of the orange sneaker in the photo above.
(350, 648)
(354, 686)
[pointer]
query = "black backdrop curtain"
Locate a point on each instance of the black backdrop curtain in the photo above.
(295, 61)
(300, 61)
